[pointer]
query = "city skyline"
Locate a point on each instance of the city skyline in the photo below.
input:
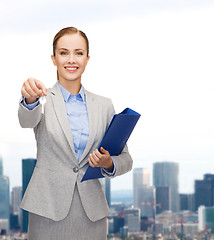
(15, 176)
(141, 213)
(148, 178)
(154, 57)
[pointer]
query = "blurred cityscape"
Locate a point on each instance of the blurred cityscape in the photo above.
(148, 211)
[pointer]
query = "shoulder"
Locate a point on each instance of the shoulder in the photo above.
(105, 104)
(96, 97)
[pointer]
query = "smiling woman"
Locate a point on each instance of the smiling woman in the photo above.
(70, 56)
(68, 134)
(77, 40)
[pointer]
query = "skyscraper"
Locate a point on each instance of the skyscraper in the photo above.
(143, 193)
(163, 199)
(141, 178)
(16, 197)
(147, 195)
(206, 218)
(165, 174)
(28, 166)
(108, 190)
(106, 187)
(204, 191)
(4, 196)
(187, 202)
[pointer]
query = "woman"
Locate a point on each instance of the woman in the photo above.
(68, 134)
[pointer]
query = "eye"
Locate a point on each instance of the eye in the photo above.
(63, 53)
(80, 53)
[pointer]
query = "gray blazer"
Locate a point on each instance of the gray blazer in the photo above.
(57, 171)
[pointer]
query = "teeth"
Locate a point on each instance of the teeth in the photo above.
(71, 68)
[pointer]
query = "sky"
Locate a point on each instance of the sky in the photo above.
(154, 56)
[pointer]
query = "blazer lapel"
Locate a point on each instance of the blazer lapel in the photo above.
(92, 108)
(60, 110)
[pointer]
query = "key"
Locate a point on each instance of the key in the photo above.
(42, 101)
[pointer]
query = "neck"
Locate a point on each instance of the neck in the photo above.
(72, 86)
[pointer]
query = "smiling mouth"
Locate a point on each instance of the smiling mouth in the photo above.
(71, 68)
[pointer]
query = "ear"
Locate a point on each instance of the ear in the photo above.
(88, 59)
(53, 60)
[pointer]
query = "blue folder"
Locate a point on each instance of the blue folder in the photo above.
(115, 138)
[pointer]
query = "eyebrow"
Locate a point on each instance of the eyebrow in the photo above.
(79, 49)
(63, 49)
(74, 49)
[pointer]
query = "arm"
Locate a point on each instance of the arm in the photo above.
(123, 164)
(102, 158)
(29, 106)
(29, 118)
(32, 89)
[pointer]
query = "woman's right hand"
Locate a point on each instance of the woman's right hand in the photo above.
(32, 89)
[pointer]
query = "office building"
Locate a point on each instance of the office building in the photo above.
(14, 222)
(188, 228)
(4, 227)
(201, 218)
(4, 198)
(165, 174)
(115, 222)
(141, 178)
(118, 223)
(143, 193)
(163, 199)
(187, 202)
(209, 218)
(28, 166)
(206, 218)
(146, 204)
(132, 219)
(108, 190)
(124, 232)
(204, 191)
(16, 197)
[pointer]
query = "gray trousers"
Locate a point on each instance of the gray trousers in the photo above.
(76, 226)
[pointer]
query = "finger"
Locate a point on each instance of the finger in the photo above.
(97, 153)
(41, 86)
(94, 157)
(90, 163)
(93, 161)
(29, 90)
(102, 150)
(24, 93)
(34, 86)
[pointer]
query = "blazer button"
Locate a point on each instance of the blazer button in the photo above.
(75, 169)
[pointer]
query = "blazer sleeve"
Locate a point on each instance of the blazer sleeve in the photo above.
(123, 162)
(29, 118)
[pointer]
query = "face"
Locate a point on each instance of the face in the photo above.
(70, 58)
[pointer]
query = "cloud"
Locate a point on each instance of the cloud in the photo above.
(36, 16)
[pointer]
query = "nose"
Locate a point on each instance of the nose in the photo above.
(71, 58)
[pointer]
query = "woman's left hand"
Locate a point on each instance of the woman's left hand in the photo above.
(101, 158)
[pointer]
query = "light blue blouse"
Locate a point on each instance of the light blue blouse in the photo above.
(78, 118)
